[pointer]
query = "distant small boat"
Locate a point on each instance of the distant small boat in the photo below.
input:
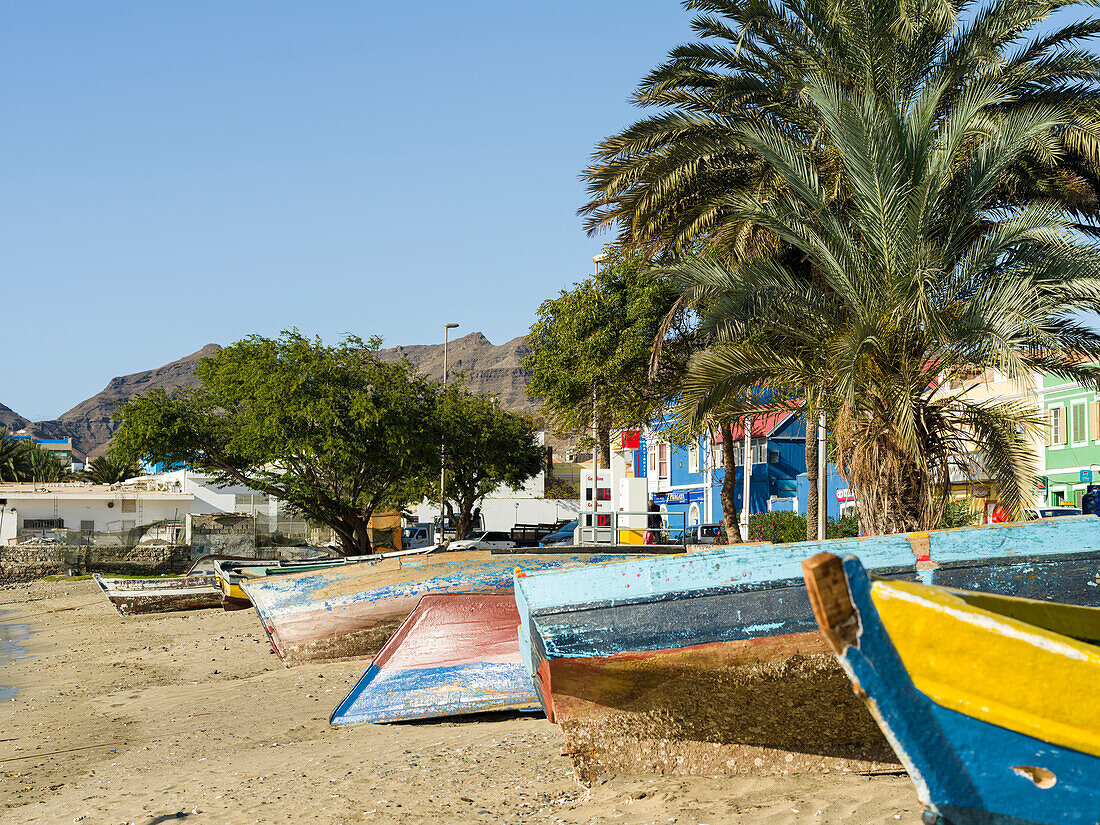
(454, 654)
(192, 591)
(711, 662)
(351, 610)
(991, 702)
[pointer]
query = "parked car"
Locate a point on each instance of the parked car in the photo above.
(421, 534)
(1055, 511)
(704, 533)
(489, 540)
(563, 535)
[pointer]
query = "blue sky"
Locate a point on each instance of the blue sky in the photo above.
(180, 173)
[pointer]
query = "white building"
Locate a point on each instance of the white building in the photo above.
(65, 509)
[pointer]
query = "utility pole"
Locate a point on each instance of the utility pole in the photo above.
(822, 486)
(746, 457)
(442, 446)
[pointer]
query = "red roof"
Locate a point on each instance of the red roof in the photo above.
(762, 426)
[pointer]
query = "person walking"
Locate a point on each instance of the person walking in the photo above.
(653, 523)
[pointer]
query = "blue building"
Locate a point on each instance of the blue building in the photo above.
(688, 480)
(839, 499)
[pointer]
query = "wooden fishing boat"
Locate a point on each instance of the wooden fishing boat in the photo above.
(168, 593)
(711, 662)
(351, 610)
(989, 701)
(456, 653)
(163, 595)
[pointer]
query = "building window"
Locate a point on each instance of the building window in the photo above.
(87, 526)
(663, 461)
(1080, 433)
(43, 523)
(719, 455)
(760, 452)
(1056, 431)
(129, 505)
(693, 458)
(738, 458)
(653, 459)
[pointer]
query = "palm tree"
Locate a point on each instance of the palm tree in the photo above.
(43, 466)
(924, 270)
(670, 183)
(108, 469)
(13, 457)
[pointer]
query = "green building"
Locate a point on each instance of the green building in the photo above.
(1072, 450)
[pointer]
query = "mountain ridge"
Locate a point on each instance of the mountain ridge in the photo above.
(486, 368)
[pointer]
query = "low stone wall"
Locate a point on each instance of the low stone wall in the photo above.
(18, 564)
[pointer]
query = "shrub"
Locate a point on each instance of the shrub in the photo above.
(786, 528)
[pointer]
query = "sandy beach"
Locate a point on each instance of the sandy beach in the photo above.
(189, 716)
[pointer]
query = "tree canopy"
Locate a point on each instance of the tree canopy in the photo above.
(591, 349)
(331, 430)
(922, 273)
(485, 448)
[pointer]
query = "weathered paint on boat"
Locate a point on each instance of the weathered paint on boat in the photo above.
(228, 576)
(711, 663)
(132, 596)
(350, 611)
(990, 703)
(456, 653)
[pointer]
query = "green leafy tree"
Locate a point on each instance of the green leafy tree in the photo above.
(110, 469)
(331, 430)
(485, 448)
(591, 347)
(923, 273)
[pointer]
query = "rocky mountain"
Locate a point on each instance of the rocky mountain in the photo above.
(11, 420)
(495, 370)
(89, 423)
(487, 369)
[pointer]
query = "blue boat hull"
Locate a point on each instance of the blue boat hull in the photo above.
(712, 663)
(965, 768)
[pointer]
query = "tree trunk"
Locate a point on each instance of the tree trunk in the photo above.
(354, 536)
(811, 478)
(464, 521)
(729, 487)
(605, 447)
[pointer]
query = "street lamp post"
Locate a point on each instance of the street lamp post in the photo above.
(442, 446)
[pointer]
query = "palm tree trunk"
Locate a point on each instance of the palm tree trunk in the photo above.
(811, 478)
(729, 486)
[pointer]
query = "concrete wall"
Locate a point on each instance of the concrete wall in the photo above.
(230, 534)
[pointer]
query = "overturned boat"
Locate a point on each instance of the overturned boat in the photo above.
(351, 610)
(456, 653)
(711, 662)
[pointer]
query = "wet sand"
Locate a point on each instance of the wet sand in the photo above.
(189, 716)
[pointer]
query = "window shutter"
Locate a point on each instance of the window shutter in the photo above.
(1050, 427)
(1094, 419)
(1063, 431)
